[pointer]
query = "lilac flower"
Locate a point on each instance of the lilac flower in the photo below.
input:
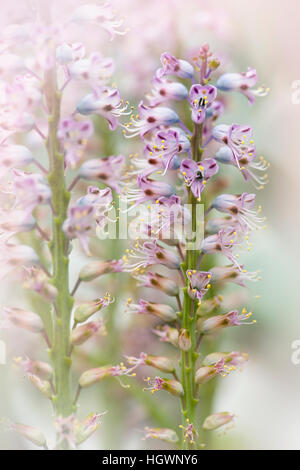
(107, 170)
(148, 190)
(158, 362)
(173, 66)
(222, 242)
(101, 14)
(158, 281)
(198, 283)
(226, 320)
(80, 224)
(14, 156)
(237, 138)
(95, 69)
(167, 219)
(216, 420)
(246, 160)
(16, 256)
(149, 254)
(242, 82)
(13, 222)
(82, 217)
(74, 135)
(200, 98)
(233, 274)
(21, 319)
(31, 433)
(37, 280)
(150, 119)
(172, 386)
(162, 311)
(69, 52)
(206, 373)
(190, 433)
(18, 101)
(239, 207)
(43, 370)
(196, 174)
(163, 434)
(215, 110)
(106, 102)
(85, 428)
(30, 190)
(165, 147)
(165, 90)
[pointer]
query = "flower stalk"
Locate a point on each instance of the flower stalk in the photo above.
(59, 352)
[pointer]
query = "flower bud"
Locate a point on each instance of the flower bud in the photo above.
(206, 373)
(217, 420)
(23, 319)
(38, 281)
(29, 432)
(164, 434)
(97, 268)
(84, 311)
(184, 340)
(92, 376)
(82, 333)
(159, 362)
(163, 311)
(84, 429)
(173, 386)
(223, 321)
(42, 385)
(43, 370)
(157, 281)
(209, 306)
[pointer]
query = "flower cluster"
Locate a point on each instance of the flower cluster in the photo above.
(178, 160)
(39, 64)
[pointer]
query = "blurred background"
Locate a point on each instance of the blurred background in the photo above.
(264, 35)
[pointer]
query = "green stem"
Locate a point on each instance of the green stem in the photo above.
(188, 320)
(63, 303)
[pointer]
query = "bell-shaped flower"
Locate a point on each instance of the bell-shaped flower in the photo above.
(198, 283)
(248, 166)
(67, 53)
(200, 98)
(150, 119)
(73, 135)
(163, 90)
(173, 66)
(196, 174)
(240, 207)
(107, 170)
(243, 83)
(95, 69)
(30, 190)
(237, 138)
(99, 15)
(14, 156)
(162, 311)
(149, 254)
(106, 102)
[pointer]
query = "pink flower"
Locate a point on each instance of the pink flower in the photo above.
(106, 102)
(200, 98)
(196, 174)
(74, 135)
(107, 170)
